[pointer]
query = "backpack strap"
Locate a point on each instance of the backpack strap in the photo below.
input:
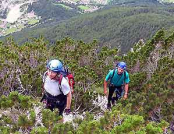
(59, 79)
(44, 76)
(112, 75)
(124, 76)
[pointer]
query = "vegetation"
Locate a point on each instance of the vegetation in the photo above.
(148, 109)
(134, 2)
(67, 7)
(168, 1)
(33, 21)
(119, 26)
(11, 30)
(48, 10)
(83, 7)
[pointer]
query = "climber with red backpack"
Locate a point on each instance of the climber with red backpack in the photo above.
(119, 82)
(57, 92)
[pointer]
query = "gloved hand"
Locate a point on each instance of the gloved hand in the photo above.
(67, 111)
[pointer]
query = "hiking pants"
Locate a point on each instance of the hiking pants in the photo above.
(53, 102)
(118, 92)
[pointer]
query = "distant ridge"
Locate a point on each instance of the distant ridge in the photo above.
(118, 26)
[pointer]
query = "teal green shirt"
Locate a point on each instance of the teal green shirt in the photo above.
(118, 79)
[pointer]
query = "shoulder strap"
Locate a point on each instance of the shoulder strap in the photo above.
(112, 75)
(44, 76)
(124, 76)
(60, 79)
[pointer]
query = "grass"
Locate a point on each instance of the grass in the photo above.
(169, 31)
(33, 21)
(64, 6)
(11, 30)
(21, 26)
(83, 7)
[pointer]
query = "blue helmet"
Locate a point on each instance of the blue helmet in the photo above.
(122, 65)
(55, 65)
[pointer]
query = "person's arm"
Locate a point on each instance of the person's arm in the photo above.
(66, 91)
(42, 90)
(68, 105)
(105, 87)
(126, 87)
(105, 82)
(71, 86)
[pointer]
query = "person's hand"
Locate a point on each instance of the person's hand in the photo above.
(67, 111)
(105, 92)
(72, 91)
(125, 96)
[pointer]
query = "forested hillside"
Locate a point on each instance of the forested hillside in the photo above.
(148, 109)
(135, 2)
(119, 27)
(50, 11)
(16, 15)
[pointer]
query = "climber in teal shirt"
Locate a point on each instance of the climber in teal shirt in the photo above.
(119, 83)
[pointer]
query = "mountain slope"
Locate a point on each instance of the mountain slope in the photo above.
(117, 26)
(18, 14)
(50, 11)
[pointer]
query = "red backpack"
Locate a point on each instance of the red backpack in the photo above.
(71, 81)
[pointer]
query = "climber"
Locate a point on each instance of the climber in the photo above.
(119, 82)
(57, 93)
